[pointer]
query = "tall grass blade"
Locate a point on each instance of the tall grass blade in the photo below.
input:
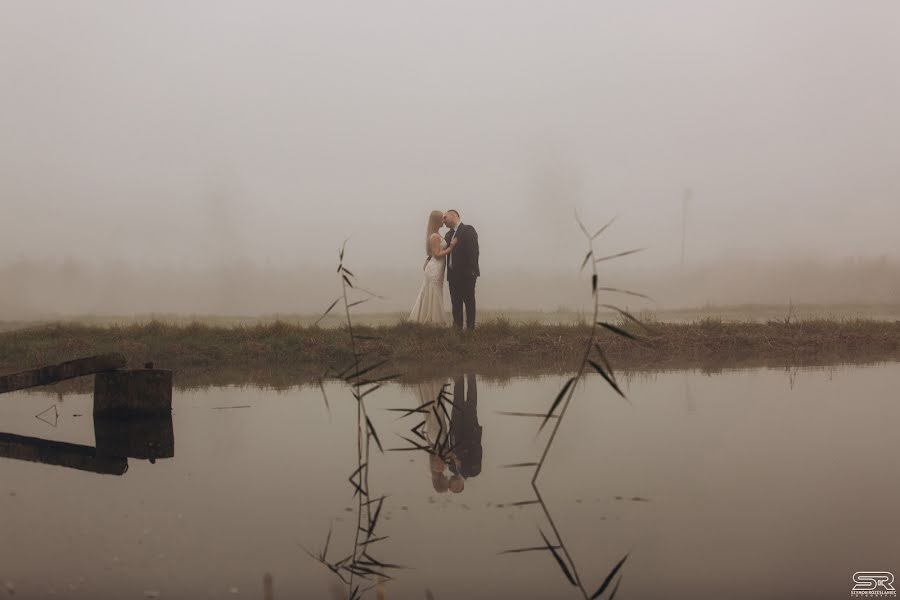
(377, 386)
(522, 414)
(521, 550)
(628, 316)
(419, 431)
(373, 294)
(605, 361)
(325, 396)
(586, 259)
(325, 314)
(618, 255)
(615, 590)
(371, 429)
(358, 486)
(413, 446)
(604, 228)
(379, 379)
(367, 572)
(371, 367)
(343, 374)
(383, 565)
(374, 520)
(606, 376)
(327, 542)
(559, 398)
(627, 292)
(423, 409)
(619, 331)
(609, 578)
(581, 224)
(559, 559)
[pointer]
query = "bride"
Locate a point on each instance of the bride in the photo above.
(429, 307)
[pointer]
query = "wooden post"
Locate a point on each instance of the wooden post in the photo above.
(55, 373)
(133, 392)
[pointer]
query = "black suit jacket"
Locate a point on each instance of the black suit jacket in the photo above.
(465, 254)
(465, 431)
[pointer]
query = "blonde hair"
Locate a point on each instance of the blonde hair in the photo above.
(435, 220)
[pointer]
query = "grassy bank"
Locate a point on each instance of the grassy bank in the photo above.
(293, 353)
(741, 313)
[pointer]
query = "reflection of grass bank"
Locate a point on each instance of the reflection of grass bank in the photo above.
(304, 352)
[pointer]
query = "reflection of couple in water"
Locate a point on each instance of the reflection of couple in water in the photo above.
(453, 433)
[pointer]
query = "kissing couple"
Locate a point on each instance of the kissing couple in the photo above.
(456, 255)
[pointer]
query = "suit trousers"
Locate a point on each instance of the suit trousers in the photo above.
(462, 294)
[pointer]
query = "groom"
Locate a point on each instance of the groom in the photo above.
(462, 269)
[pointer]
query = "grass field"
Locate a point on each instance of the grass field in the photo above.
(733, 313)
(282, 353)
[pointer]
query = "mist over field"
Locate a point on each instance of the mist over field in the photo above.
(198, 157)
(72, 290)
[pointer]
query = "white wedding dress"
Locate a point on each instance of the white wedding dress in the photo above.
(429, 307)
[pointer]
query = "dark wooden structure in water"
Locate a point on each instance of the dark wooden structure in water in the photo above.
(56, 373)
(133, 392)
(61, 454)
(132, 416)
(117, 440)
(117, 391)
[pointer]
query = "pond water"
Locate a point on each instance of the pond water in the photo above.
(744, 484)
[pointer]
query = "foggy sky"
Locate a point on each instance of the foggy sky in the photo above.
(198, 134)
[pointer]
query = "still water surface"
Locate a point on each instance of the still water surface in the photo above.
(750, 484)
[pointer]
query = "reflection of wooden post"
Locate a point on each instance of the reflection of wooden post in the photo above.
(137, 392)
(61, 454)
(67, 370)
(268, 588)
(145, 438)
(117, 440)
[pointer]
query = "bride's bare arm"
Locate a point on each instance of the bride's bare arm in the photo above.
(436, 246)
